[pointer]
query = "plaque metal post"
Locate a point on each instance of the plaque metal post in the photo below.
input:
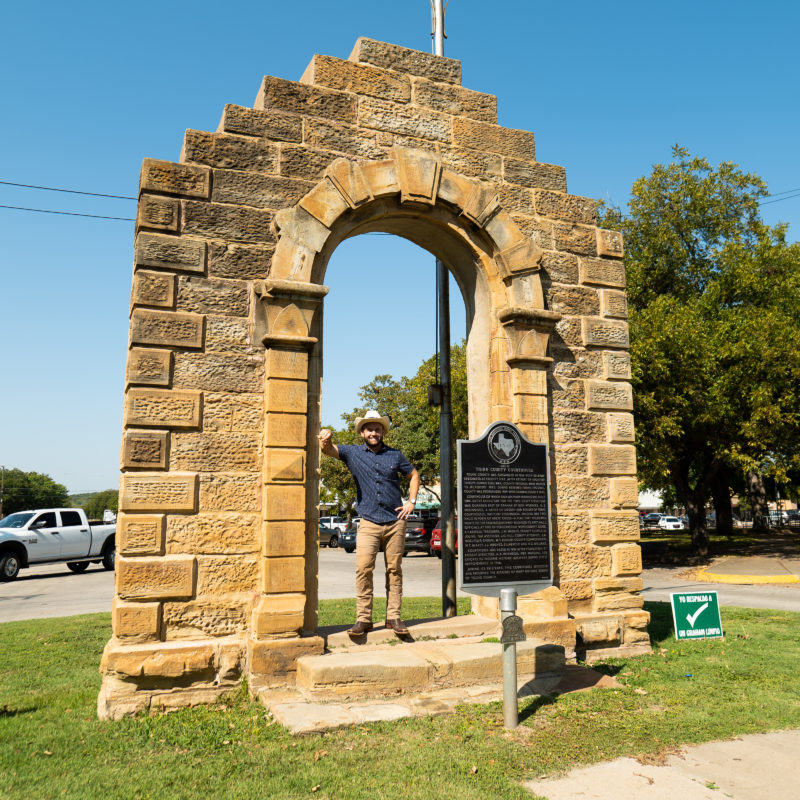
(508, 605)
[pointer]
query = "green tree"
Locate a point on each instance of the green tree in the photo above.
(714, 321)
(30, 490)
(98, 502)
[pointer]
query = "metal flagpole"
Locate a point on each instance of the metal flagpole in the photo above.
(445, 410)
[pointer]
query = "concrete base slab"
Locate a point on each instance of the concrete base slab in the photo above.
(750, 768)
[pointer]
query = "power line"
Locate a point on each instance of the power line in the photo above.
(70, 191)
(778, 200)
(67, 213)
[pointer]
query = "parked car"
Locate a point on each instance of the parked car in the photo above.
(51, 535)
(670, 524)
(436, 539)
(347, 539)
(328, 537)
(338, 523)
(650, 520)
(418, 535)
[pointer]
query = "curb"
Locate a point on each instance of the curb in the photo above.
(717, 577)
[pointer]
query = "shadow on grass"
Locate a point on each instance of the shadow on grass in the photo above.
(5, 711)
(660, 627)
(538, 702)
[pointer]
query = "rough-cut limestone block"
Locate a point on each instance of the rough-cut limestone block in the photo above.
(530, 408)
(612, 459)
(583, 561)
(576, 363)
(455, 100)
(281, 613)
(494, 138)
(171, 178)
(207, 617)
(535, 175)
(155, 578)
(153, 289)
(560, 267)
(166, 328)
(285, 538)
(234, 223)
(609, 243)
(215, 452)
(136, 622)
(307, 163)
(213, 533)
(539, 230)
(516, 199)
(576, 492)
(163, 407)
(226, 574)
(283, 575)
(575, 239)
(631, 636)
(568, 393)
(615, 601)
(571, 459)
(573, 426)
(402, 59)
(605, 396)
(363, 79)
(230, 492)
(573, 300)
(159, 492)
(289, 364)
(614, 526)
(271, 125)
(286, 396)
(383, 115)
(277, 658)
(571, 528)
(342, 138)
(529, 380)
(538, 434)
(600, 332)
(257, 190)
(167, 660)
(285, 502)
(599, 630)
(240, 261)
(618, 585)
(626, 559)
(614, 303)
(151, 367)
(569, 207)
(624, 492)
(145, 449)
(549, 603)
(602, 272)
(285, 430)
(229, 335)
(284, 465)
(180, 254)
(576, 590)
(620, 428)
(140, 534)
(212, 296)
(159, 213)
(325, 203)
(487, 166)
(229, 152)
(216, 372)
(616, 366)
(232, 412)
(313, 101)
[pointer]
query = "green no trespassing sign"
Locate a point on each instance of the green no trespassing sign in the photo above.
(696, 615)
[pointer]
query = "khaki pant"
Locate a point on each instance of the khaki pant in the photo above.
(371, 536)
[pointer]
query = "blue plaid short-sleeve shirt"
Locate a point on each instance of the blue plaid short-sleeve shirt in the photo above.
(377, 477)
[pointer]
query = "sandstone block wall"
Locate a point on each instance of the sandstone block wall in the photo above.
(218, 541)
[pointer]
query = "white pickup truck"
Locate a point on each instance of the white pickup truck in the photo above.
(52, 535)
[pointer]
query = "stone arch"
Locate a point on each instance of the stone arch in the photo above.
(216, 575)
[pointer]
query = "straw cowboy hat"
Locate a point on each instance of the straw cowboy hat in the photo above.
(372, 416)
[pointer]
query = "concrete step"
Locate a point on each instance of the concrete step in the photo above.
(422, 666)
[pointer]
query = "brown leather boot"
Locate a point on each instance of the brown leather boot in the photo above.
(397, 626)
(360, 629)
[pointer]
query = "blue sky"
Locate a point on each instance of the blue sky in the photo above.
(90, 89)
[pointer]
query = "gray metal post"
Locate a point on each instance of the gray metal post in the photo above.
(508, 605)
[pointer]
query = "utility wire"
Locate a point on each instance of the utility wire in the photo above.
(778, 200)
(70, 191)
(67, 213)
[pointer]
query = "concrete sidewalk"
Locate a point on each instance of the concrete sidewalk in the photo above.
(750, 768)
(751, 570)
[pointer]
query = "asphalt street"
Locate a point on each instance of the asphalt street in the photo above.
(54, 591)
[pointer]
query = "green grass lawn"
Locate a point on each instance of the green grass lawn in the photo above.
(53, 746)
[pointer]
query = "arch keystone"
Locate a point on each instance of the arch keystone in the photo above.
(418, 175)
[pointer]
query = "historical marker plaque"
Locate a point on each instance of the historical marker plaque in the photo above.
(504, 513)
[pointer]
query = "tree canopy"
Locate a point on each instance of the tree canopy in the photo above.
(29, 490)
(715, 321)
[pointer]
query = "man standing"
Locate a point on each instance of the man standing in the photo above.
(376, 470)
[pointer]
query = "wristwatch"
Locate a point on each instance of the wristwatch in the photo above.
(412, 500)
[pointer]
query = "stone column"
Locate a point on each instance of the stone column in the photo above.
(280, 632)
